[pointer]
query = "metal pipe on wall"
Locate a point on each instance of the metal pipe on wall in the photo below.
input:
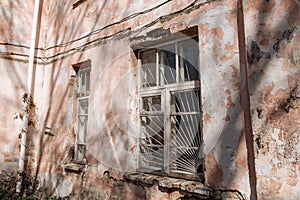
(245, 100)
(29, 89)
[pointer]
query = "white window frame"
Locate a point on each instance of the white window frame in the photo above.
(81, 95)
(165, 90)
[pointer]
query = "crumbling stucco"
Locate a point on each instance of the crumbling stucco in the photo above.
(108, 33)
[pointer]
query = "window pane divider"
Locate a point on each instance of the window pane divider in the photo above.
(153, 145)
(140, 71)
(145, 114)
(185, 113)
(140, 105)
(82, 98)
(184, 147)
(167, 130)
(157, 69)
(152, 91)
(177, 62)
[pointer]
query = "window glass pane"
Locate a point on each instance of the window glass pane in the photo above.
(82, 127)
(152, 157)
(185, 143)
(188, 62)
(82, 120)
(185, 130)
(83, 106)
(82, 83)
(152, 103)
(78, 84)
(185, 101)
(81, 149)
(168, 64)
(152, 141)
(148, 59)
(186, 160)
(186, 139)
(152, 127)
(88, 81)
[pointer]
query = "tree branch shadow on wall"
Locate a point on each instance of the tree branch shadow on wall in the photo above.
(58, 98)
(257, 61)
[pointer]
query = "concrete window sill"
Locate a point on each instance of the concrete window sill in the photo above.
(74, 167)
(194, 187)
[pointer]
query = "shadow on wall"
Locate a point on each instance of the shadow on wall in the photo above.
(49, 147)
(9, 27)
(268, 48)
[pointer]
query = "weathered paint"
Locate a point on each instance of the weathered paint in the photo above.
(104, 32)
(273, 80)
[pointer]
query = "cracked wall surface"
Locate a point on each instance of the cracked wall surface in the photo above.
(272, 30)
(108, 33)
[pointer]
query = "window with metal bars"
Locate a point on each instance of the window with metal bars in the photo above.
(82, 99)
(170, 110)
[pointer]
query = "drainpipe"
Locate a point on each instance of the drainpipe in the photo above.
(245, 100)
(27, 97)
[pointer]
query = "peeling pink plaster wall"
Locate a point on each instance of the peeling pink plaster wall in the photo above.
(116, 146)
(272, 28)
(112, 136)
(15, 30)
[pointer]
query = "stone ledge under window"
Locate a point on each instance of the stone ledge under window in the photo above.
(194, 187)
(74, 167)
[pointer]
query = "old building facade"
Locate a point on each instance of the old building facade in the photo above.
(165, 99)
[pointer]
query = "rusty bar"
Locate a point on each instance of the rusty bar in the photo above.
(245, 100)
